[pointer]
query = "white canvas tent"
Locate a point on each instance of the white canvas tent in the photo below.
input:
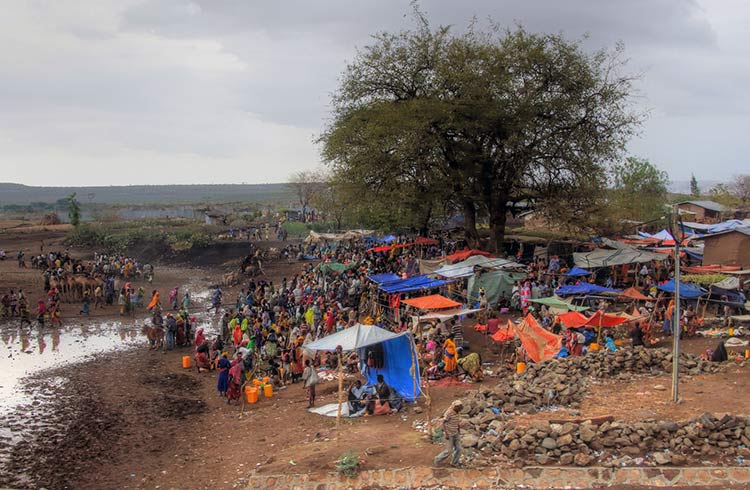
(465, 268)
(353, 338)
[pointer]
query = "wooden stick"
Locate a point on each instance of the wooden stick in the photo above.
(341, 390)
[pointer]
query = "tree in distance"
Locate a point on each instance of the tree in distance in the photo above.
(427, 122)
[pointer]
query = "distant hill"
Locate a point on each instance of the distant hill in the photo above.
(150, 194)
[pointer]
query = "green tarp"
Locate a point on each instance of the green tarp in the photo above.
(496, 284)
(555, 302)
(328, 267)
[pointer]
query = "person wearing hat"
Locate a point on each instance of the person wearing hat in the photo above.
(452, 433)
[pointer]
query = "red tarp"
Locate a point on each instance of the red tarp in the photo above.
(710, 269)
(540, 344)
(465, 254)
(633, 293)
(601, 319)
(425, 241)
(431, 302)
(388, 248)
(572, 319)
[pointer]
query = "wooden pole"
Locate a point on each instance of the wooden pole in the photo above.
(412, 348)
(341, 390)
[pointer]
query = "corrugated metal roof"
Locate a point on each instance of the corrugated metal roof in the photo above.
(710, 205)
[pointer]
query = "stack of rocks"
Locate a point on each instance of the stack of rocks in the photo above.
(705, 438)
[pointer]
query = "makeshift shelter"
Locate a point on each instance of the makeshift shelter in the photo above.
(496, 284)
(633, 293)
(618, 254)
(577, 271)
(540, 344)
(601, 319)
(429, 266)
(687, 290)
(558, 304)
(384, 278)
(432, 302)
(337, 267)
(584, 289)
(412, 284)
(572, 319)
(394, 355)
(465, 254)
(466, 267)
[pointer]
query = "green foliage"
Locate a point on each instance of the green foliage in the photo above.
(74, 210)
(695, 191)
(427, 122)
(348, 464)
(639, 190)
(121, 236)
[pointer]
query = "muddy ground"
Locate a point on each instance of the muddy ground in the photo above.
(135, 419)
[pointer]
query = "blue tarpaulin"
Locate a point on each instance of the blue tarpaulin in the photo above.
(388, 239)
(687, 290)
(400, 367)
(585, 288)
(412, 284)
(577, 271)
(385, 278)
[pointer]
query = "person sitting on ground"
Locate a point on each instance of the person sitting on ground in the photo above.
(609, 342)
(387, 394)
(356, 395)
(472, 364)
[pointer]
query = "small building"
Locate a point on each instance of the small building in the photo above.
(728, 248)
(215, 218)
(701, 211)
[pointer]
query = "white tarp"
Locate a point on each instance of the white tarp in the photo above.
(353, 338)
(444, 315)
(729, 283)
(466, 268)
(331, 409)
(622, 253)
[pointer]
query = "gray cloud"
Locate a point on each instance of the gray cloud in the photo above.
(231, 90)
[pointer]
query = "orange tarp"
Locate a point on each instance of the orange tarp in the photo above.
(420, 240)
(465, 254)
(431, 302)
(710, 269)
(572, 319)
(633, 293)
(601, 319)
(540, 344)
(504, 334)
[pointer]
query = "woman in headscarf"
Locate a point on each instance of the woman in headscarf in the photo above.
(449, 354)
(235, 381)
(199, 338)
(223, 383)
(297, 360)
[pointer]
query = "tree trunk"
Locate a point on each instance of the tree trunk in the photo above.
(470, 223)
(498, 217)
(425, 227)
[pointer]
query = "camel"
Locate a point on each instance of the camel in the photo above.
(230, 279)
(155, 336)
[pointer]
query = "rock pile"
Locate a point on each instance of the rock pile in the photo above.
(562, 382)
(705, 438)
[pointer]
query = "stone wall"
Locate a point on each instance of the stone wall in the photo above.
(496, 478)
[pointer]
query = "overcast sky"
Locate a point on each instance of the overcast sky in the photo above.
(107, 92)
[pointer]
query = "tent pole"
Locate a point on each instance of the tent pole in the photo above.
(341, 390)
(412, 348)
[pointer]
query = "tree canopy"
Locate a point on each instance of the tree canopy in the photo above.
(431, 122)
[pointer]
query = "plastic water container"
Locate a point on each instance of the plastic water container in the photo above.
(520, 367)
(186, 362)
(268, 391)
(251, 393)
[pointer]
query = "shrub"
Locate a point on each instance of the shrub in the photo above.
(348, 464)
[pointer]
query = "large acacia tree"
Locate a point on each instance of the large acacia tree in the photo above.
(479, 122)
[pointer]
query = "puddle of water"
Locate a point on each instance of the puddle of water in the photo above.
(28, 350)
